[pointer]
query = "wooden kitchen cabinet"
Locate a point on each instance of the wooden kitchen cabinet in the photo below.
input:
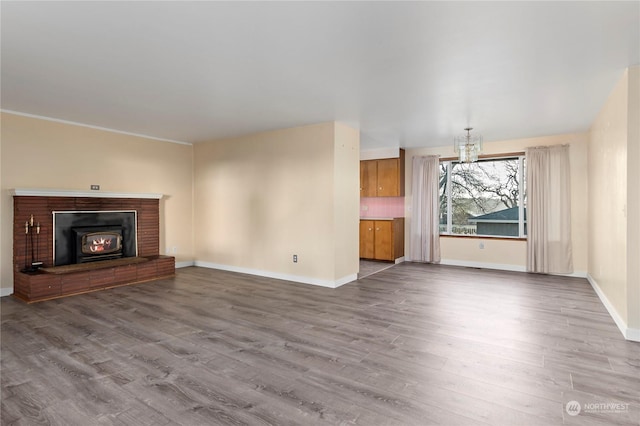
(366, 239)
(368, 178)
(382, 239)
(382, 178)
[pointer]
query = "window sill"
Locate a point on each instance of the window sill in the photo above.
(483, 237)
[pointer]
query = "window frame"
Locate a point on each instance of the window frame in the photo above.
(520, 156)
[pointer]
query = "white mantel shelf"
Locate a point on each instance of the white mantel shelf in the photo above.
(28, 192)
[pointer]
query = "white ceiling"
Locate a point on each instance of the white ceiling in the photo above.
(407, 74)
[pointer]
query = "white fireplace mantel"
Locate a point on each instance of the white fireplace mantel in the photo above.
(30, 192)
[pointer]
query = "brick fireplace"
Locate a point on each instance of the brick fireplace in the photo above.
(55, 278)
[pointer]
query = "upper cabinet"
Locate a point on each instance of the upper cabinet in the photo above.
(368, 178)
(382, 178)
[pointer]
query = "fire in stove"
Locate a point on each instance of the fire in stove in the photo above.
(96, 244)
(100, 245)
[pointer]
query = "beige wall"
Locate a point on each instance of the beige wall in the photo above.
(346, 188)
(512, 254)
(6, 285)
(633, 196)
(262, 198)
(608, 198)
(37, 153)
(614, 195)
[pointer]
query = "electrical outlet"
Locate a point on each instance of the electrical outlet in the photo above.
(481, 245)
(295, 258)
(95, 187)
(174, 250)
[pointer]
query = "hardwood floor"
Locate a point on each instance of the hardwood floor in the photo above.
(370, 267)
(412, 345)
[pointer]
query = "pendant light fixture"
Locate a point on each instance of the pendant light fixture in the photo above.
(468, 146)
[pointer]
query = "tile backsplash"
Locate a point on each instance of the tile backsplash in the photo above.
(381, 207)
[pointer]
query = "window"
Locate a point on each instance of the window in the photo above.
(485, 198)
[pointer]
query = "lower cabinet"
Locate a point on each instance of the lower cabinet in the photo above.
(382, 239)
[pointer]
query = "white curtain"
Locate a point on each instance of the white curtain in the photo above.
(425, 209)
(549, 210)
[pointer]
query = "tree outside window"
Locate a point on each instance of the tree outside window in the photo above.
(486, 197)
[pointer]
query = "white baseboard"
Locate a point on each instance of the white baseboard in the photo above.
(6, 291)
(185, 264)
(628, 333)
(287, 277)
(578, 274)
(633, 334)
(399, 260)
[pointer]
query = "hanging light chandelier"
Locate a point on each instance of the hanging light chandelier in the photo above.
(468, 146)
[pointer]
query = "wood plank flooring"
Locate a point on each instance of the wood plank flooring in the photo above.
(412, 345)
(370, 267)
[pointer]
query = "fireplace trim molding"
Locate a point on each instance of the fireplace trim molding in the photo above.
(33, 192)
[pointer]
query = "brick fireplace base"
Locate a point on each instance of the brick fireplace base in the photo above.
(45, 285)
